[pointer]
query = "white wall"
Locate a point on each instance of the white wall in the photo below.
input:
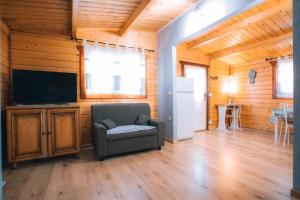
(296, 46)
(189, 25)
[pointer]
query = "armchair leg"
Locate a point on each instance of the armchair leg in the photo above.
(101, 158)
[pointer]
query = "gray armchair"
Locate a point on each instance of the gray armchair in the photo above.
(127, 136)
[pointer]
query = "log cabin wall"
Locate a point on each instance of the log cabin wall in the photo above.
(257, 98)
(216, 68)
(51, 53)
(4, 61)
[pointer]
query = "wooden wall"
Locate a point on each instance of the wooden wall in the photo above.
(257, 98)
(216, 68)
(49, 53)
(221, 70)
(4, 62)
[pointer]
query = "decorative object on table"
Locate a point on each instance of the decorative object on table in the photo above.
(230, 88)
(252, 75)
(229, 100)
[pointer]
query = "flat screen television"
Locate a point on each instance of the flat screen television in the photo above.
(38, 87)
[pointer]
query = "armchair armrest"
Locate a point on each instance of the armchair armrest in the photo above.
(100, 140)
(160, 130)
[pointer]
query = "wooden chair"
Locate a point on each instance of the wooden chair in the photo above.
(239, 117)
(288, 124)
(235, 115)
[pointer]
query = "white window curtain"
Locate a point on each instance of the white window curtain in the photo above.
(285, 77)
(116, 70)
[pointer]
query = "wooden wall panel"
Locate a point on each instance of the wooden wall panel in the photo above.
(4, 62)
(257, 98)
(36, 52)
(221, 70)
(216, 68)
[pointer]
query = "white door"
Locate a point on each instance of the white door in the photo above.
(199, 74)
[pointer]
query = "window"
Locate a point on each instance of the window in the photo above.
(198, 74)
(283, 78)
(112, 72)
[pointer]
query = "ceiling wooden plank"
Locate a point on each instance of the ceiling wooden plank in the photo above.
(4, 27)
(74, 17)
(283, 6)
(140, 10)
(251, 45)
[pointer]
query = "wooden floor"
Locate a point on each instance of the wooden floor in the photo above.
(213, 165)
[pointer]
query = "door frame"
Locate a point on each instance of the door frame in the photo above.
(182, 64)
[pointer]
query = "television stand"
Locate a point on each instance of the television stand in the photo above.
(41, 131)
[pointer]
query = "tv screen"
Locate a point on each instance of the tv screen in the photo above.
(37, 87)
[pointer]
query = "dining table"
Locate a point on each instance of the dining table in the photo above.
(277, 115)
(222, 109)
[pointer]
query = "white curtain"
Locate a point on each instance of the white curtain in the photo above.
(114, 70)
(285, 77)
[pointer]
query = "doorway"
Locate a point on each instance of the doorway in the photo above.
(199, 74)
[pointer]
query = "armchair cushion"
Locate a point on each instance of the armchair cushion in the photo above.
(130, 131)
(142, 119)
(108, 123)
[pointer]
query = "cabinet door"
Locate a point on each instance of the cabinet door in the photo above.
(26, 134)
(63, 131)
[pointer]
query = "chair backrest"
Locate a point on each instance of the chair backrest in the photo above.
(284, 107)
(121, 113)
(237, 108)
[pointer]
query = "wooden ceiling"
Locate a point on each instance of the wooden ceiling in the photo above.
(162, 12)
(108, 15)
(37, 16)
(117, 15)
(54, 16)
(263, 31)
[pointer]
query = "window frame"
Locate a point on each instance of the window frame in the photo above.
(84, 95)
(274, 82)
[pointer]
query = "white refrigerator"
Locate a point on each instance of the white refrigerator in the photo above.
(185, 108)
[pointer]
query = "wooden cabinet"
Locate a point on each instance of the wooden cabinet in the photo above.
(27, 134)
(42, 131)
(63, 131)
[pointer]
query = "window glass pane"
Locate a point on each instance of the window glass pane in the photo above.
(114, 71)
(198, 74)
(285, 78)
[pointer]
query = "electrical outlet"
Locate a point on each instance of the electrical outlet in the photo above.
(210, 122)
(170, 118)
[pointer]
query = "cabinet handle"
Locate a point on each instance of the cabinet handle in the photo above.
(49, 132)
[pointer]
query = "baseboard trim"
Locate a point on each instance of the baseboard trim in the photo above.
(295, 193)
(170, 140)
